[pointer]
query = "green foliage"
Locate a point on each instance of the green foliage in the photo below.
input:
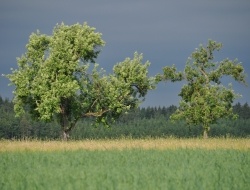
(53, 80)
(138, 123)
(169, 73)
(204, 100)
(127, 169)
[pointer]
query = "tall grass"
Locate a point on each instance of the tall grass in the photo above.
(127, 143)
(126, 169)
(172, 163)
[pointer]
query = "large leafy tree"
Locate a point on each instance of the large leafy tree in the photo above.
(203, 99)
(53, 81)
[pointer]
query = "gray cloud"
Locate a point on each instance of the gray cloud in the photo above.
(166, 32)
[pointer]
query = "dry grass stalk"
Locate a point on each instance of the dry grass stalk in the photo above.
(120, 144)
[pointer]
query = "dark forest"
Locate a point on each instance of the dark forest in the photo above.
(147, 122)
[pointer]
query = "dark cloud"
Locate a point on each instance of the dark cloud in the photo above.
(166, 32)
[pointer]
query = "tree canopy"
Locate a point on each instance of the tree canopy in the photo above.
(53, 81)
(203, 99)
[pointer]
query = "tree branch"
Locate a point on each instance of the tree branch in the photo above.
(207, 79)
(137, 86)
(100, 113)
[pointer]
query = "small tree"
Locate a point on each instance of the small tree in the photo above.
(203, 99)
(53, 81)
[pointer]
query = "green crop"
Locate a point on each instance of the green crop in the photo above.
(126, 169)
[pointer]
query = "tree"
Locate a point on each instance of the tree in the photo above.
(237, 109)
(245, 111)
(1, 100)
(25, 127)
(203, 99)
(54, 82)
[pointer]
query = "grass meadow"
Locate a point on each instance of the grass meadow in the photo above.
(126, 164)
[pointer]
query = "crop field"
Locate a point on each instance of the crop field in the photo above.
(126, 164)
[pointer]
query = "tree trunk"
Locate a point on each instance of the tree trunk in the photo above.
(66, 124)
(205, 132)
(65, 127)
(64, 119)
(205, 135)
(65, 135)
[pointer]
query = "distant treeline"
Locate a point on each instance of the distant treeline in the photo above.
(140, 123)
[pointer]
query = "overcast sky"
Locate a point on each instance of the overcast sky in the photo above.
(165, 31)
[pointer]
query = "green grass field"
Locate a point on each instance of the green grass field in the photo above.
(146, 167)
